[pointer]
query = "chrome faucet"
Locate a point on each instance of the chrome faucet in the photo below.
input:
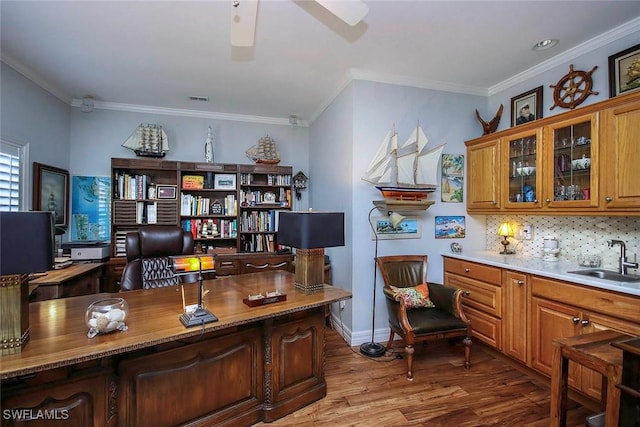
(623, 264)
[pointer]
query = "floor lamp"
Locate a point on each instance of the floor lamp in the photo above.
(372, 348)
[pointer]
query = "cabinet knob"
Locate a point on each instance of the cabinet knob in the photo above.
(520, 282)
(547, 200)
(584, 323)
(576, 320)
(608, 198)
(466, 270)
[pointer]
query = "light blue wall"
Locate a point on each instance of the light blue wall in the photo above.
(98, 136)
(369, 110)
(31, 115)
(331, 178)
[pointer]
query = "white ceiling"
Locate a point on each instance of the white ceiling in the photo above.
(158, 53)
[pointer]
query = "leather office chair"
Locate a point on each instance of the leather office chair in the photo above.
(148, 250)
(445, 320)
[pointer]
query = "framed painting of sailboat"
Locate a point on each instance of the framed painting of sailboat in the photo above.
(452, 178)
(409, 228)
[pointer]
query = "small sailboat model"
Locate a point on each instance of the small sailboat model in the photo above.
(148, 141)
(406, 172)
(264, 151)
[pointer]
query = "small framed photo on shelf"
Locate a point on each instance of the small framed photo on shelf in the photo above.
(166, 191)
(624, 71)
(526, 107)
(224, 181)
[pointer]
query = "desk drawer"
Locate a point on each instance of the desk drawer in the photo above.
(473, 270)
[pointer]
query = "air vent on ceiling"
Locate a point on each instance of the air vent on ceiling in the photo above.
(199, 98)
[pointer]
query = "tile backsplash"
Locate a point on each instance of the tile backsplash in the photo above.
(577, 235)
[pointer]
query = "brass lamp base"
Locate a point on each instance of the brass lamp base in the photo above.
(310, 269)
(14, 316)
(504, 244)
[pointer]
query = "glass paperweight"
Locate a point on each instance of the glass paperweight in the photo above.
(106, 315)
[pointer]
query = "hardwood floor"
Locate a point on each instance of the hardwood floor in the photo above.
(376, 392)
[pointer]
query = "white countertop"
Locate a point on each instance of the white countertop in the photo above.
(555, 270)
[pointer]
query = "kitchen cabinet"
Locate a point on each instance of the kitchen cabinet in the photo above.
(523, 181)
(621, 154)
(580, 162)
(483, 305)
(483, 183)
(515, 317)
(590, 310)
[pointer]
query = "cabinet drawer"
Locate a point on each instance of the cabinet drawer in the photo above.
(473, 270)
(227, 267)
(594, 300)
(484, 327)
(483, 296)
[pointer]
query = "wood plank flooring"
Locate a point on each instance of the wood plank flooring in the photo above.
(376, 392)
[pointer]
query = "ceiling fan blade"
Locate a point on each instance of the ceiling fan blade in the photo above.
(243, 23)
(350, 11)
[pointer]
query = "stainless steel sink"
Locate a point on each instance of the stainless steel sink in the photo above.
(607, 275)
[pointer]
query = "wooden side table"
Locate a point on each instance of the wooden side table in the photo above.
(594, 352)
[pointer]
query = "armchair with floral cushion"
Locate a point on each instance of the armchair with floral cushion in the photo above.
(420, 311)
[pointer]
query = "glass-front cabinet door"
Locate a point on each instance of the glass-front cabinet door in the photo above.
(523, 183)
(572, 159)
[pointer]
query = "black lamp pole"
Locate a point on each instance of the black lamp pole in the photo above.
(373, 349)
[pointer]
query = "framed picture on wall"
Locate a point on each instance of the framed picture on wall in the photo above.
(624, 71)
(450, 227)
(409, 228)
(51, 192)
(526, 107)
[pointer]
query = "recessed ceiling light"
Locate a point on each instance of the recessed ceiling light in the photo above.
(545, 44)
(199, 98)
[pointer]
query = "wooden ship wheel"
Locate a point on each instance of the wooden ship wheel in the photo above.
(573, 88)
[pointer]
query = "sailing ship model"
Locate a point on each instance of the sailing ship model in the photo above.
(406, 172)
(148, 141)
(264, 151)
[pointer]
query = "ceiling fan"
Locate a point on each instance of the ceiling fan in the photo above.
(244, 13)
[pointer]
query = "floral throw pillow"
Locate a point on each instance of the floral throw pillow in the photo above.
(414, 297)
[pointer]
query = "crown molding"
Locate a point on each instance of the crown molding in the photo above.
(569, 54)
(148, 109)
(35, 78)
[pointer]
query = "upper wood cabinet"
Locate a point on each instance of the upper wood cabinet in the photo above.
(621, 156)
(581, 162)
(483, 183)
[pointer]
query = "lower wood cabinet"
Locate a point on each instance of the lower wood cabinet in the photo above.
(515, 319)
(589, 310)
(483, 305)
(521, 314)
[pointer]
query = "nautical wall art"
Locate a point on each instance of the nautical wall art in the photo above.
(452, 178)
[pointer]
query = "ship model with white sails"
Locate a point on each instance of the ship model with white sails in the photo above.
(264, 151)
(148, 140)
(407, 172)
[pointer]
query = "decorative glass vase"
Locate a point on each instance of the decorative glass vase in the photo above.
(106, 315)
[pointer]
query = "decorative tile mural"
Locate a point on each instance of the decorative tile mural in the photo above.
(577, 235)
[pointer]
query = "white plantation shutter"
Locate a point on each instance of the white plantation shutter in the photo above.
(12, 176)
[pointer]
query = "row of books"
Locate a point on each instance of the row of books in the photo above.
(258, 243)
(259, 221)
(131, 187)
(272, 179)
(213, 228)
(192, 205)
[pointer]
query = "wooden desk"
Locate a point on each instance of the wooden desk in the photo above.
(75, 280)
(254, 364)
(594, 351)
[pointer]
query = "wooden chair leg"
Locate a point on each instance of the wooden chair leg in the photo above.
(467, 352)
(390, 342)
(408, 351)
